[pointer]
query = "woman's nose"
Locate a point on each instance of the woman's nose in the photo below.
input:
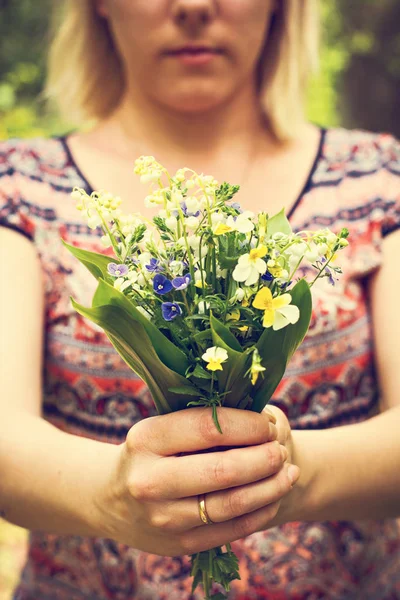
(193, 13)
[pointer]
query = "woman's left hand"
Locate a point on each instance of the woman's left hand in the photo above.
(283, 427)
(285, 439)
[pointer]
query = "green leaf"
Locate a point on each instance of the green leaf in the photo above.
(277, 347)
(166, 350)
(225, 334)
(201, 373)
(278, 224)
(203, 336)
(131, 341)
(225, 259)
(95, 262)
(185, 390)
(231, 378)
(294, 334)
(262, 392)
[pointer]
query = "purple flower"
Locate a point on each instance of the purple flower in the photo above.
(181, 283)
(154, 266)
(117, 270)
(267, 276)
(236, 206)
(161, 285)
(330, 276)
(185, 211)
(170, 310)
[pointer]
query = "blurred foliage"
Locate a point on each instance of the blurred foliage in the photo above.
(358, 84)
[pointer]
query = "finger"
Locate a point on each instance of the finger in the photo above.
(181, 515)
(230, 504)
(205, 537)
(270, 414)
(194, 429)
(183, 476)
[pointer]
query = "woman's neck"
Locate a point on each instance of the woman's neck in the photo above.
(138, 127)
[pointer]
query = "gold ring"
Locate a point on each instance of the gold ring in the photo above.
(203, 511)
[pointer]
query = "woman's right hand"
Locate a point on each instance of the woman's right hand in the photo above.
(151, 502)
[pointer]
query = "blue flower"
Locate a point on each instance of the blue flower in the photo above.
(181, 283)
(117, 270)
(170, 310)
(154, 266)
(267, 276)
(161, 285)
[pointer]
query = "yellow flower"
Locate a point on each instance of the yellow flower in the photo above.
(258, 252)
(234, 315)
(256, 366)
(277, 312)
(262, 224)
(221, 228)
(214, 356)
(250, 266)
(276, 271)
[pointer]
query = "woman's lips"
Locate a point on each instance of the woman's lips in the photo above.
(195, 57)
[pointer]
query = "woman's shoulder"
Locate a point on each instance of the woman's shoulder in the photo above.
(360, 151)
(36, 179)
(34, 156)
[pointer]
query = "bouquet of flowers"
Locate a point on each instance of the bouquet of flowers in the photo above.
(206, 305)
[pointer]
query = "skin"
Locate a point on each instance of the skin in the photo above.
(139, 492)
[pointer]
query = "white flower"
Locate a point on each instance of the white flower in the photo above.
(298, 249)
(200, 277)
(241, 223)
(144, 258)
(94, 221)
(217, 217)
(192, 222)
(293, 261)
(144, 312)
(172, 223)
(176, 199)
(215, 356)
(106, 241)
(148, 169)
(192, 204)
(176, 267)
(238, 295)
(331, 237)
(250, 266)
(202, 307)
(141, 280)
(312, 254)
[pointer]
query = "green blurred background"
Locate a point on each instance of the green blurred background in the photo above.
(358, 86)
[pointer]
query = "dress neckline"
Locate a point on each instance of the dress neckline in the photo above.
(305, 188)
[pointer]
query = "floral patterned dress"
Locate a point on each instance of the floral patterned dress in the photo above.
(331, 380)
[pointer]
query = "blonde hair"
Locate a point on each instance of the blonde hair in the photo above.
(86, 79)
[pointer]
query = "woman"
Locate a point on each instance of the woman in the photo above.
(216, 86)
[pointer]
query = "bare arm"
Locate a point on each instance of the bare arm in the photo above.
(353, 472)
(39, 465)
(143, 492)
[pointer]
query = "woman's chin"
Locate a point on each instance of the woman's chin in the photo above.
(194, 104)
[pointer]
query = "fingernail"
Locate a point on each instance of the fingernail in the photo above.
(293, 473)
(271, 415)
(273, 432)
(284, 452)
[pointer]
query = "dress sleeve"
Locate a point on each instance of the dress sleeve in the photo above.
(12, 212)
(391, 185)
